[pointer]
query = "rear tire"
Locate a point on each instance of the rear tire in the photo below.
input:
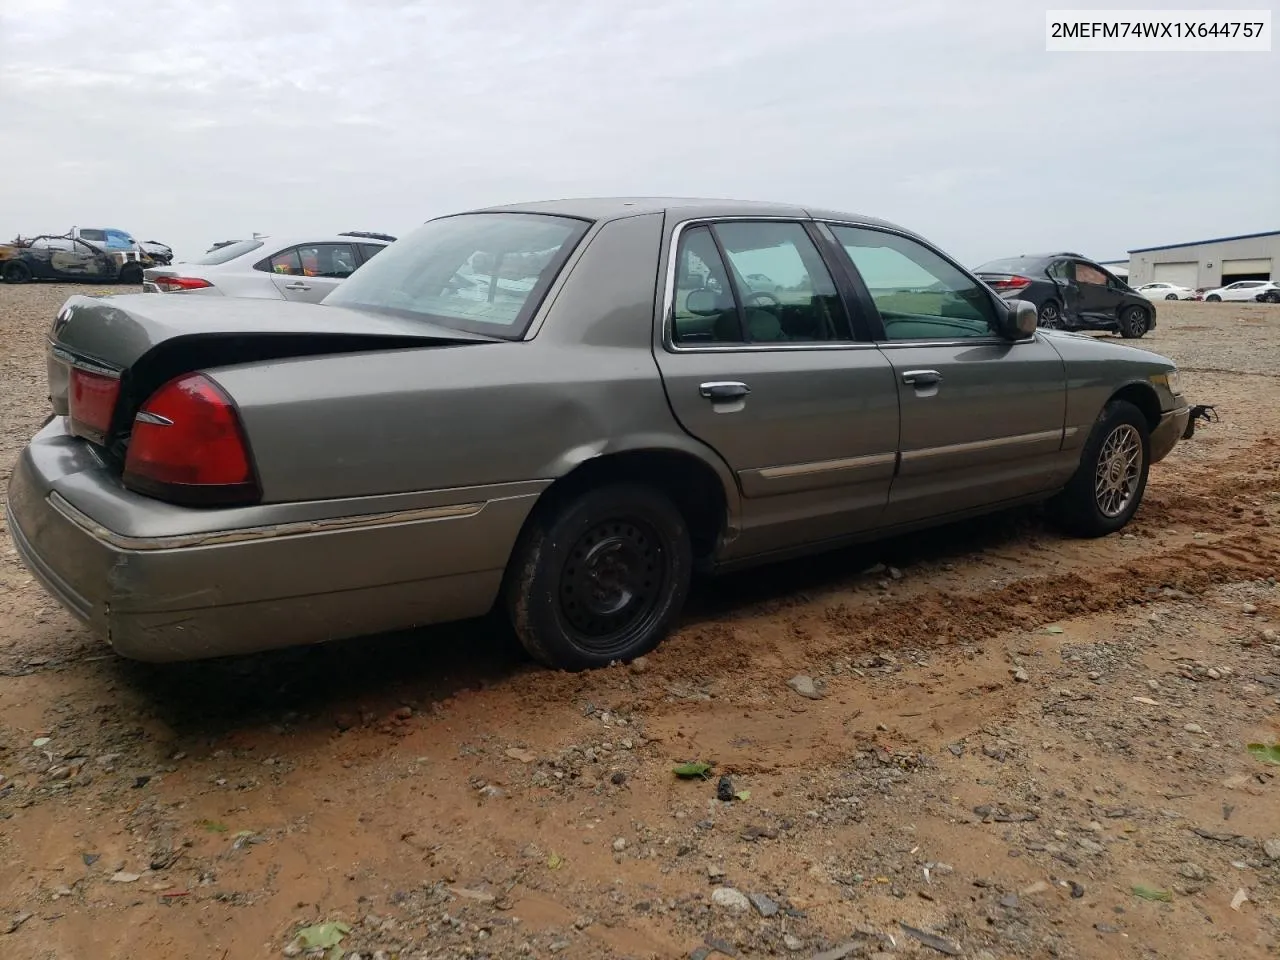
(1172, 296)
(1133, 323)
(16, 272)
(1213, 298)
(1106, 489)
(1050, 315)
(600, 577)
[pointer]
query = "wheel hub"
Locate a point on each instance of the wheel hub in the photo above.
(608, 568)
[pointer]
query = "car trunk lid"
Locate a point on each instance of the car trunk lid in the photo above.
(106, 355)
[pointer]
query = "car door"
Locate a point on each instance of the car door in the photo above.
(1096, 300)
(309, 272)
(77, 260)
(982, 417)
(759, 361)
(1063, 275)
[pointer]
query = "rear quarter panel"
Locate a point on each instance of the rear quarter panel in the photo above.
(585, 384)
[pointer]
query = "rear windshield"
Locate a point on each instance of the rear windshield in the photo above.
(229, 252)
(1012, 265)
(481, 272)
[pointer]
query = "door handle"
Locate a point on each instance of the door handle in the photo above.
(715, 390)
(922, 378)
(297, 285)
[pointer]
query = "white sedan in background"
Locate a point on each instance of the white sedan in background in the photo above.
(1265, 290)
(274, 268)
(1166, 291)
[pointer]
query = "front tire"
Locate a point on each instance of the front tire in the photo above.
(1050, 315)
(1172, 296)
(130, 274)
(1133, 323)
(1106, 489)
(1213, 298)
(599, 577)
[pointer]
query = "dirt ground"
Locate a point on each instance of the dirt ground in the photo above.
(1019, 735)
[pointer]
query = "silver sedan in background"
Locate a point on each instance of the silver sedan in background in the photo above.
(273, 268)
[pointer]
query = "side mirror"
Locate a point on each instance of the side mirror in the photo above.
(1020, 321)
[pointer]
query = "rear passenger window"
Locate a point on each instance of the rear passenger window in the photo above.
(286, 262)
(770, 286)
(370, 250)
(704, 309)
(786, 293)
(336, 261)
(1088, 274)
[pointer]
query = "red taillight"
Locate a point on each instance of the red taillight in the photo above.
(91, 402)
(176, 284)
(187, 446)
(1009, 283)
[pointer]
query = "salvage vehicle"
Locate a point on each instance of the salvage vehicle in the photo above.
(67, 258)
(505, 410)
(1070, 292)
(278, 268)
(1263, 291)
(158, 252)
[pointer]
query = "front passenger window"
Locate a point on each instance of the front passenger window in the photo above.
(920, 295)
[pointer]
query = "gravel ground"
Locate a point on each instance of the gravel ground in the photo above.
(1009, 745)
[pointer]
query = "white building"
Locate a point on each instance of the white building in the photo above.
(1204, 264)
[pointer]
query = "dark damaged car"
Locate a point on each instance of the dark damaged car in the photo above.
(67, 259)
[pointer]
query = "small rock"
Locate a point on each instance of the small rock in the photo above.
(124, 877)
(1249, 609)
(1193, 728)
(714, 872)
(765, 906)
(1153, 684)
(1090, 846)
(1010, 901)
(618, 778)
(479, 896)
(792, 943)
(1038, 887)
(1192, 871)
(895, 573)
(805, 686)
(292, 950)
(730, 899)
(640, 665)
(619, 844)
(17, 921)
(1077, 890)
(724, 789)
(1272, 848)
(1021, 676)
(344, 721)
(524, 756)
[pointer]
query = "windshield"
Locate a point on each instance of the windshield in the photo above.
(1013, 265)
(481, 272)
(229, 252)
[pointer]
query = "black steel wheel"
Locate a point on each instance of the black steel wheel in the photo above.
(599, 577)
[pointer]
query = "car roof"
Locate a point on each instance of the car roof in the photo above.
(683, 208)
(292, 241)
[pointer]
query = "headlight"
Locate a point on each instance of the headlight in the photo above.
(1169, 378)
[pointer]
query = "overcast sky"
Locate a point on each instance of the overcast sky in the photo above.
(191, 121)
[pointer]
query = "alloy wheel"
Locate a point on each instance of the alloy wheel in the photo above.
(1119, 470)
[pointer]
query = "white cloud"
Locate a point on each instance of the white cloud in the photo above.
(197, 121)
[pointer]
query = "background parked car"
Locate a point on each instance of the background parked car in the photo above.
(1166, 291)
(1266, 291)
(1071, 293)
(67, 258)
(288, 268)
(160, 253)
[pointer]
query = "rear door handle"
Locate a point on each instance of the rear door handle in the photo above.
(297, 285)
(715, 390)
(922, 378)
